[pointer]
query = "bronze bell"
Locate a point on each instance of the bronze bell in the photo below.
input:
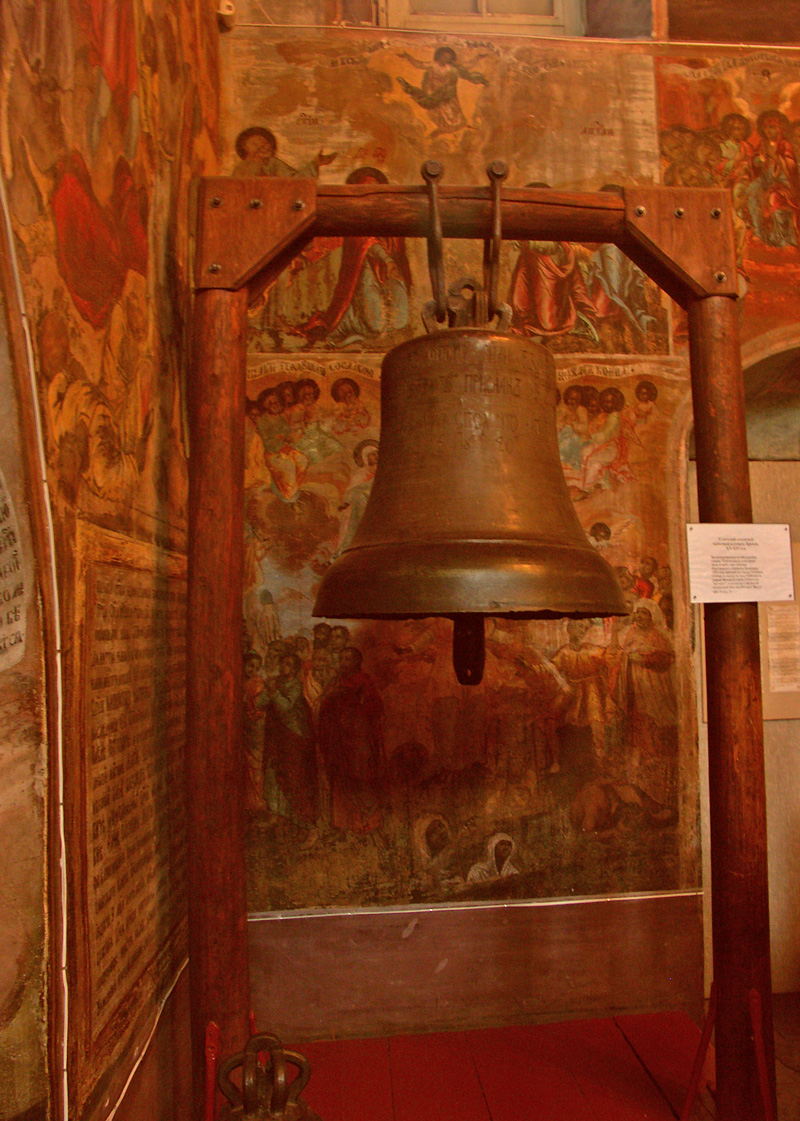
(469, 513)
(266, 1094)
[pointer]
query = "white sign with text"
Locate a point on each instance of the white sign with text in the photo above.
(739, 563)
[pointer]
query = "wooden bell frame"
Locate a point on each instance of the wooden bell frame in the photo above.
(248, 231)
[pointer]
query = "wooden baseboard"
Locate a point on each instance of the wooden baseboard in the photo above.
(347, 975)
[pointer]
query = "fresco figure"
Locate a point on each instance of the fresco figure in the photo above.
(290, 764)
(349, 414)
(354, 499)
(87, 447)
(649, 657)
(310, 433)
(617, 286)
(646, 396)
(371, 296)
(97, 245)
(433, 849)
(256, 148)
(438, 93)
(643, 582)
(773, 196)
(572, 420)
(590, 703)
(317, 676)
(604, 457)
(286, 463)
(500, 849)
(351, 747)
(254, 688)
(548, 294)
(526, 693)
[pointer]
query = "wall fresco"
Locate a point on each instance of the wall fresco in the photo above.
(108, 108)
(374, 777)
(734, 121)
(370, 109)
(103, 127)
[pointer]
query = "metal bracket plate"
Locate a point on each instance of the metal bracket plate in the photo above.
(690, 231)
(244, 224)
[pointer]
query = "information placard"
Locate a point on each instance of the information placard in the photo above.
(739, 563)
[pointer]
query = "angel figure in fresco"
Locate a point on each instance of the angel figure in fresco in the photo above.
(370, 298)
(438, 93)
(256, 148)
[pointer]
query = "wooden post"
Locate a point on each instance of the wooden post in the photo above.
(740, 902)
(218, 961)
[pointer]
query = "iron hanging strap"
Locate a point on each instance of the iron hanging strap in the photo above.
(497, 172)
(432, 172)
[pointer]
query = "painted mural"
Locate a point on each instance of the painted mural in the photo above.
(735, 122)
(370, 110)
(374, 777)
(108, 108)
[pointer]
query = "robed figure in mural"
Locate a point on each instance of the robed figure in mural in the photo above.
(290, 765)
(370, 298)
(351, 746)
(651, 703)
(773, 196)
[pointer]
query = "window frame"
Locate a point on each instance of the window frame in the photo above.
(568, 20)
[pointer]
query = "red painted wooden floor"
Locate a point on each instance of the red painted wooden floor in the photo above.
(625, 1069)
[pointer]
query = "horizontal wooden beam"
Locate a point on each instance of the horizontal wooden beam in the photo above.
(250, 228)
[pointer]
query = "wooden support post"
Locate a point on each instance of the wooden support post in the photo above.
(740, 902)
(218, 962)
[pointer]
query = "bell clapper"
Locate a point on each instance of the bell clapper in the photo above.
(469, 648)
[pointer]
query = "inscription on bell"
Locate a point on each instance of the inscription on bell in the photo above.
(479, 427)
(471, 381)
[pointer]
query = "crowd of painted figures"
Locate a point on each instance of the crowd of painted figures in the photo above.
(757, 160)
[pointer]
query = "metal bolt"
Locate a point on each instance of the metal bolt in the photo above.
(214, 268)
(679, 212)
(216, 201)
(298, 204)
(720, 277)
(716, 212)
(640, 212)
(256, 204)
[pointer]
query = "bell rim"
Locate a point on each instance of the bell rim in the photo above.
(370, 581)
